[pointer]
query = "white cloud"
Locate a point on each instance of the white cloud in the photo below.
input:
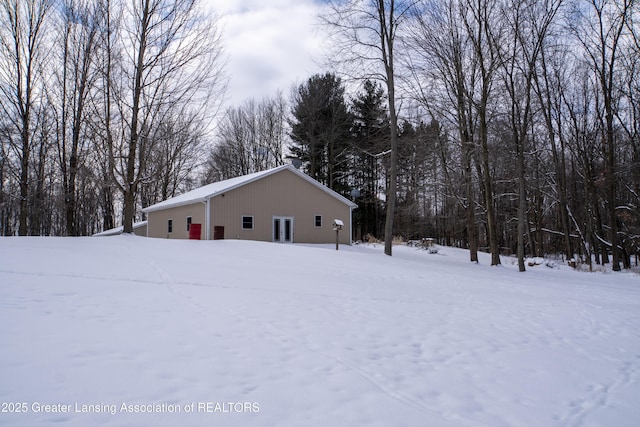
(271, 45)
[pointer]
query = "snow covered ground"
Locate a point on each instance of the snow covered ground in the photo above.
(129, 331)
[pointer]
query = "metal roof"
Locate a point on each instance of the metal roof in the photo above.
(211, 190)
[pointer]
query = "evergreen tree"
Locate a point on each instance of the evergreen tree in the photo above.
(320, 130)
(370, 146)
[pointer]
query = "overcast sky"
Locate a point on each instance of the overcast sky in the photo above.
(271, 45)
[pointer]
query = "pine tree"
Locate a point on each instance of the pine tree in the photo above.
(320, 130)
(370, 143)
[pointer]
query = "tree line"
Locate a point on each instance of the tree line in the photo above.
(535, 107)
(541, 102)
(516, 128)
(553, 84)
(104, 107)
(496, 125)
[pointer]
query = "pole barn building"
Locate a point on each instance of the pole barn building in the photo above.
(281, 205)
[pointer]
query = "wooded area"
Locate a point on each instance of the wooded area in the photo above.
(104, 105)
(505, 126)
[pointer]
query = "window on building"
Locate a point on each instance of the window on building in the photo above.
(247, 222)
(188, 223)
(318, 221)
(276, 229)
(170, 226)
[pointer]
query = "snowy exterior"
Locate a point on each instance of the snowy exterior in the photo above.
(127, 331)
(277, 205)
(139, 229)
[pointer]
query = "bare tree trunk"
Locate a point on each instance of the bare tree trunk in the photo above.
(131, 184)
(522, 205)
(528, 24)
(467, 174)
(24, 175)
(602, 42)
(549, 90)
(366, 33)
(38, 206)
(78, 38)
(494, 247)
(388, 24)
(558, 154)
(470, 206)
(475, 14)
(443, 58)
(21, 54)
(176, 65)
(393, 140)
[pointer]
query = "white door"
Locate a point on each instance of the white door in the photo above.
(283, 229)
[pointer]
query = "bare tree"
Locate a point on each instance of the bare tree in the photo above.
(528, 23)
(170, 58)
(441, 75)
(41, 171)
(103, 110)
(250, 138)
(6, 201)
(605, 28)
(365, 33)
(484, 35)
(79, 29)
(628, 115)
(549, 85)
(22, 55)
(177, 151)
